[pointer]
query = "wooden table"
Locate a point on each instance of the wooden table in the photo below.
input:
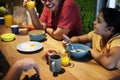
(81, 70)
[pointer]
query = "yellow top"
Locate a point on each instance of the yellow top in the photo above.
(114, 41)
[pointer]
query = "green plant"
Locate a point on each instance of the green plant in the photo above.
(88, 13)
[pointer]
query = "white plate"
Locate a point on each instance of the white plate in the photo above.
(29, 46)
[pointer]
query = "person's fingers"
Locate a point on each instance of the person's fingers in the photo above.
(66, 38)
(37, 69)
(91, 50)
(24, 2)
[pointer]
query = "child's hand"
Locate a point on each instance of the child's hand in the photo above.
(66, 38)
(64, 43)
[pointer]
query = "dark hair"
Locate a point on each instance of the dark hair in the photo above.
(112, 18)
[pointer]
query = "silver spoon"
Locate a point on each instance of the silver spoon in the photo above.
(67, 40)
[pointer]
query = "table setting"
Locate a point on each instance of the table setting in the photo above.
(71, 66)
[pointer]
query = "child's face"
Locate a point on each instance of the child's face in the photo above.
(51, 4)
(100, 26)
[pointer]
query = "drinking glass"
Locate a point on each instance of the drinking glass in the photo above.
(8, 20)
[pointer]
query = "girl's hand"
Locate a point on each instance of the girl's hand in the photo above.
(66, 40)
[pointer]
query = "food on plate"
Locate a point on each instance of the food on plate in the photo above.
(32, 45)
(28, 47)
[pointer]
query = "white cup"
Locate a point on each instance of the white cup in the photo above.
(55, 63)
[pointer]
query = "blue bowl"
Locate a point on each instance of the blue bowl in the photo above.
(82, 50)
(37, 35)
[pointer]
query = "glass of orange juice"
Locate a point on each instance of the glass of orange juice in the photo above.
(8, 20)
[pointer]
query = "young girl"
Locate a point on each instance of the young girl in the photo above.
(105, 38)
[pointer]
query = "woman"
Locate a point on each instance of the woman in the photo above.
(58, 17)
(105, 38)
